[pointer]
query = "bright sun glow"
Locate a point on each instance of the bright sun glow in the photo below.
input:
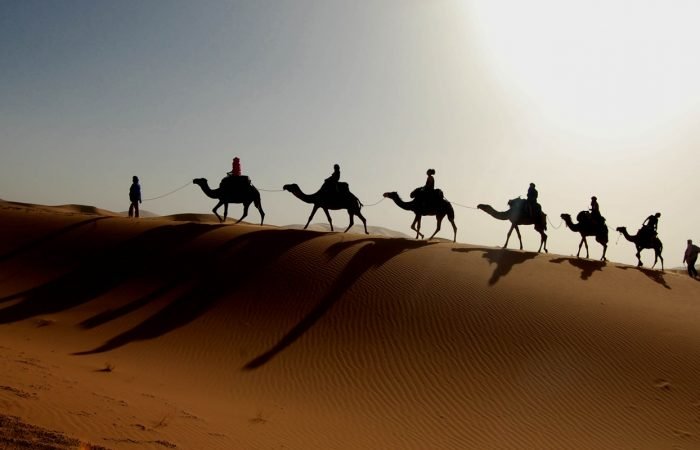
(608, 69)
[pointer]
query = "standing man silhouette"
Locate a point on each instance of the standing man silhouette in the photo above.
(690, 256)
(134, 197)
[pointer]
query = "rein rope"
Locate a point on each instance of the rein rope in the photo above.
(169, 193)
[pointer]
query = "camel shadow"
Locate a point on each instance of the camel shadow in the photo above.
(41, 241)
(224, 271)
(587, 266)
(504, 260)
(374, 253)
(147, 253)
(655, 275)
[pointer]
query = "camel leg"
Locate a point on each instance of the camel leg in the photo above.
(454, 228)
(245, 211)
(520, 238)
(439, 222)
(258, 205)
(662, 261)
(328, 216)
(313, 212)
(352, 221)
(415, 226)
(639, 253)
(218, 205)
(364, 221)
(543, 242)
(583, 242)
(605, 249)
(512, 227)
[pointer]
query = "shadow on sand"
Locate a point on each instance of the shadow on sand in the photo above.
(587, 266)
(504, 260)
(147, 253)
(206, 281)
(373, 253)
(655, 275)
(42, 241)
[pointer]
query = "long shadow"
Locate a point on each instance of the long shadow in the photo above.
(40, 242)
(222, 273)
(655, 275)
(504, 260)
(373, 253)
(147, 253)
(587, 266)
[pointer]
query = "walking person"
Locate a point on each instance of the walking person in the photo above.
(134, 197)
(690, 256)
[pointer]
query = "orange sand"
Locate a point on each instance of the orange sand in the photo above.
(159, 333)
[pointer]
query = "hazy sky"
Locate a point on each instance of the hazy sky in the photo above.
(582, 98)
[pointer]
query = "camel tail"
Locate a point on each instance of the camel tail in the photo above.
(359, 203)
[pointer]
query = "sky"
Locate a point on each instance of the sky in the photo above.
(582, 98)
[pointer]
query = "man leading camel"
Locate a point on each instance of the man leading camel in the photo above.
(690, 257)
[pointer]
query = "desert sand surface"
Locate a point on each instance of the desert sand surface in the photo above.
(179, 332)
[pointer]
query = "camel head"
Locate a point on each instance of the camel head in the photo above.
(481, 206)
(200, 181)
(391, 195)
(621, 229)
(291, 187)
(565, 216)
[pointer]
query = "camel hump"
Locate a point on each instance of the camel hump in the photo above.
(235, 182)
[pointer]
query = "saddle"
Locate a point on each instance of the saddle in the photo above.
(235, 182)
(427, 198)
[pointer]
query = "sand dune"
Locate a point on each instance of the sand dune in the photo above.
(159, 333)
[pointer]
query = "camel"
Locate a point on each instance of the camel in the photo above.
(641, 242)
(232, 192)
(585, 226)
(330, 198)
(517, 215)
(439, 209)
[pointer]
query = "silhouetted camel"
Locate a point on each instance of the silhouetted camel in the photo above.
(642, 242)
(586, 226)
(232, 192)
(333, 199)
(517, 215)
(439, 209)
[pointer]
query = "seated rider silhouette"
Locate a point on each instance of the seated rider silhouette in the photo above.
(595, 211)
(532, 206)
(649, 226)
(428, 191)
(235, 168)
(331, 183)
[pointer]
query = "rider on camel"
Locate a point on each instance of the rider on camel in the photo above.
(595, 211)
(532, 200)
(650, 224)
(332, 181)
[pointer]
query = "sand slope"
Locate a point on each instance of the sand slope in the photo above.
(157, 333)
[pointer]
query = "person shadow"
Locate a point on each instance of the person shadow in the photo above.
(373, 253)
(656, 276)
(504, 260)
(586, 266)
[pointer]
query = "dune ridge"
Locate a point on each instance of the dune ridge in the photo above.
(169, 334)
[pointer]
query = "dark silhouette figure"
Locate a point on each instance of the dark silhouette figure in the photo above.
(519, 213)
(690, 257)
(650, 225)
(232, 189)
(595, 211)
(643, 240)
(438, 208)
(430, 181)
(332, 181)
(532, 204)
(331, 198)
(587, 226)
(134, 197)
(503, 259)
(235, 167)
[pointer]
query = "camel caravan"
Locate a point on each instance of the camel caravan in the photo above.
(428, 201)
